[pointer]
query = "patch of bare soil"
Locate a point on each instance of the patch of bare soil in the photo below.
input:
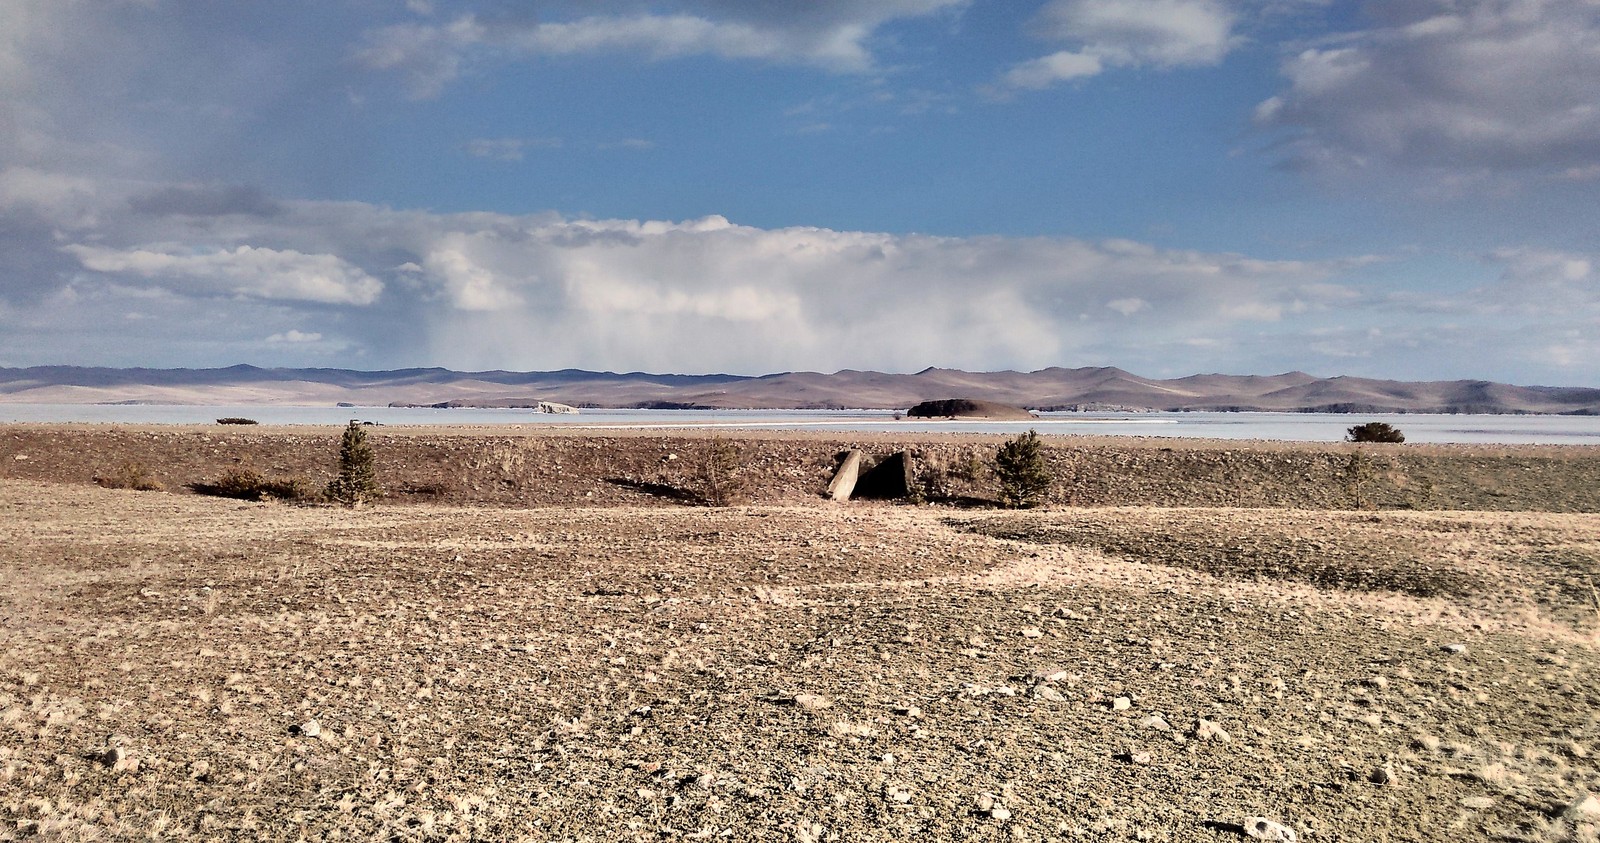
(175, 666)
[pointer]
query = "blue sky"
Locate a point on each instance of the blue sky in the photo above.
(1404, 189)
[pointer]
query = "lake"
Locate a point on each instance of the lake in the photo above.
(1294, 427)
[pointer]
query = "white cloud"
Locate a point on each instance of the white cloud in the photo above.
(469, 284)
(1468, 85)
(429, 56)
(1057, 67)
(831, 36)
(483, 290)
(248, 271)
(295, 336)
(1129, 306)
(507, 149)
(1126, 33)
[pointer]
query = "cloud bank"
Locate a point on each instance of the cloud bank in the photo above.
(337, 283)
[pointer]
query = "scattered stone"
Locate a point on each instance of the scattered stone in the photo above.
(1131, 757)
(812, 702)
(989, 804)
(1477, 803)
(1206, 730)
(907, 711)
(1376, 682)
(1157, 722)
(1121, 704)
(1584, 809)
(200, 771)
(1032, 632)
(308, 729)
(1047, 693)
(1454, 649)
(1261, 828)
(1383, 774)
(111, 757)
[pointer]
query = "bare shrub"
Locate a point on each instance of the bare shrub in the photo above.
(235, 420)
(1360, 476)
(718, 475)
(130, 475)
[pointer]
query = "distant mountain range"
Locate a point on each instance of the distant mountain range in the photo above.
(1107, 389)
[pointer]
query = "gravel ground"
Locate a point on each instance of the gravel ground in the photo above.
(176, 666)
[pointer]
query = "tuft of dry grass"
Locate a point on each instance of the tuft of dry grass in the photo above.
(130, 475)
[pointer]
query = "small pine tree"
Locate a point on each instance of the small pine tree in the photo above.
(357, 482)
(1374, 432)
(1022, 471)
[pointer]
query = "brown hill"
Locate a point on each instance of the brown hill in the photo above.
(1054, 388)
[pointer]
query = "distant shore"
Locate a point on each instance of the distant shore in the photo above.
(1100, 389)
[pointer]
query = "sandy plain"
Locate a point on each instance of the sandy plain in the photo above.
(539, 645)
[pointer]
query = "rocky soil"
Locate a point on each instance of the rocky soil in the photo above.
(177, 666)
(534, 638)
(554, 467)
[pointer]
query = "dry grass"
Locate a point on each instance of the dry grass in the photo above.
(130, 475)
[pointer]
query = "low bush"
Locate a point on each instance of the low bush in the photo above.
(236, 420)
(1374, 432)
(131, 475)
(248, 484)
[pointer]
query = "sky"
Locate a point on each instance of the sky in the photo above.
(1406, 189)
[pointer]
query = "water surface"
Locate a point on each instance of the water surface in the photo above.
(1293, 427)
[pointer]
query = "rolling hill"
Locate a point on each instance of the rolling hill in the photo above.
(1054, 388)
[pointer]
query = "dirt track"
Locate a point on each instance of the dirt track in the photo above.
(792, 671)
